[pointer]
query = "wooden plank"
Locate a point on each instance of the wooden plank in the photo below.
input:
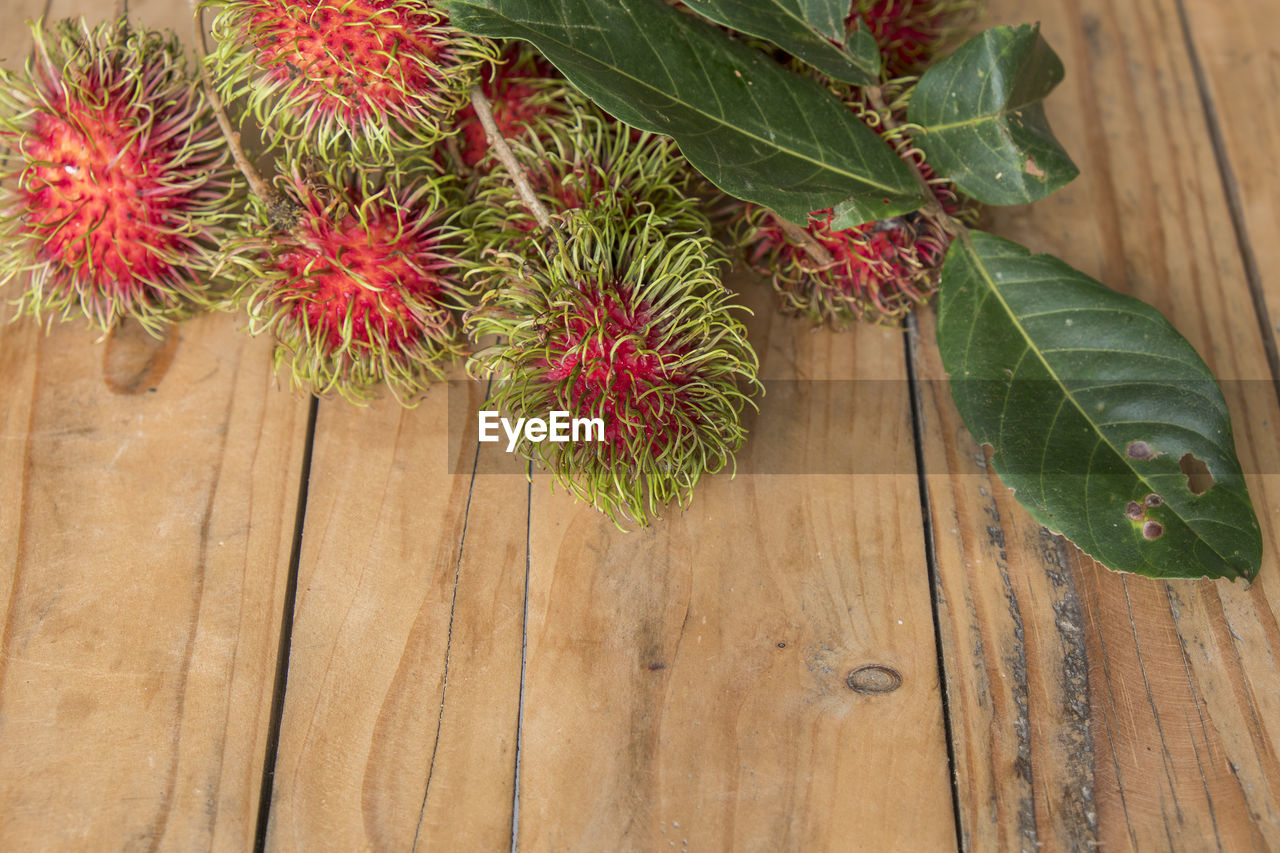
(400, 717)
(1088, 707)
(686, 685)
(1235, 42)
(146, 545)
(146, 521)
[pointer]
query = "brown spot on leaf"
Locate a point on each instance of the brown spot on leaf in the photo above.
(1033, 170)
(1135, 511)
(1139, 450)
(1199, 480)
(1153, 500)
(1152, 530)
(134, 361)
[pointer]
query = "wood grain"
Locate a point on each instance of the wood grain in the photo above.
(686, 684)
(682, 687)
(404, 675)
(1181, 676)
(146, 540)
(1236, 44)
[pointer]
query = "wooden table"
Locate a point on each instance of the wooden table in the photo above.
(474, 662)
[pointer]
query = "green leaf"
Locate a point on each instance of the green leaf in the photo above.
(983, 117)
(812, 30)
(1092, 401)
(756, 130)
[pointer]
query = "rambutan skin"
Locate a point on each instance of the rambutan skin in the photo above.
(874, 272)
(624, 320)
(587, 160)
(878, 271)
(371, 79)
(524, 91)
(116, 181)
(363, 289)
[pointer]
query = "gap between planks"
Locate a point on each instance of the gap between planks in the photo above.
(1231, 189)
(280, 683)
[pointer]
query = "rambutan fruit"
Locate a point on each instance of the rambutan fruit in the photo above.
(877, 271)
(114, 177)
(625, 321)
(346, 77)
(592, 162)
(362, 287)
(910, 32)
(524, 90)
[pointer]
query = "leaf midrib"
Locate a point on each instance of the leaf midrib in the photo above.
(1031, 346)
(821, 165)
(981, 119)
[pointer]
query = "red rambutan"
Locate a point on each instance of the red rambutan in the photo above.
(625, 321)
(372, 75)
(910, 32)
(363, 286)
(523, 90)
(877, 271)
(118, 177)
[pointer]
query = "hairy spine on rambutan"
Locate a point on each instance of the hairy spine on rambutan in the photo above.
(115, 181)
(524, 90)
(621, 319)
(588, 161)
(877, 271)
(363, 286)
(371, 79)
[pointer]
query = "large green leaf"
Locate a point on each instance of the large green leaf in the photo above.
(756, 130)
(983, 118)
(1092, 402)
(812, 30)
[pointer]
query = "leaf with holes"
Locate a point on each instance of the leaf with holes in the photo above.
(1104, 420)
(756, 130)
(982, 117)
(812, 30)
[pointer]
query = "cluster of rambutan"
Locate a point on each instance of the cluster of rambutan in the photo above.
(351, 257)
(386, 235)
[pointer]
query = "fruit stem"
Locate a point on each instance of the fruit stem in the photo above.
(257, 184)
(801, 236)
(933, 208)
(485, 112)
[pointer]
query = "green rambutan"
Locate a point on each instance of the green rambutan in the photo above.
(368, 77)
(624, 320)
(360, 285)
(114, 180)
(587, 162)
